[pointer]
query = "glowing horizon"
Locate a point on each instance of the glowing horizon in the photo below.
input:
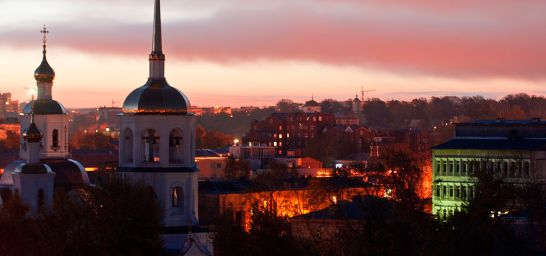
(240, 52)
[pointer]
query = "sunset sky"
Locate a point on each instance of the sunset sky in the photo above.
(255, 52)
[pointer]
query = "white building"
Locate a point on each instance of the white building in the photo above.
(311, 107)
(157, 146)
(44, 166)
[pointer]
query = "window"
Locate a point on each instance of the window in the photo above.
(55, 139)
(177, 197)
(457, 192)
(471, 192)
(463, 192)
(451, 191)
(438, 191)
(150, 146)
(444, 193)
(175, 146)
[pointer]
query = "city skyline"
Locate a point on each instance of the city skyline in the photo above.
(237, 52)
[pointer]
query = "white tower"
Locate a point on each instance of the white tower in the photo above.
(157, 142)
(50, 116)
(33, 180)
(356, 105)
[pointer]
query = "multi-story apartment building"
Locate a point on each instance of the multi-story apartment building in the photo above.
(512, 150)
(289, 133)
(8, 107)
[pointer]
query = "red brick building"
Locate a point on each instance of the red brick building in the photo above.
(289, 133)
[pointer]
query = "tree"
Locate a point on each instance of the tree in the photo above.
(287, 106)
(402, 179)
(377, 114)
(82, 140)
(11, 142)
(236, 169)
(115, 218)
(214, 139)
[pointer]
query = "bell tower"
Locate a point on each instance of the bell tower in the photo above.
(157, 139)
(50, 116)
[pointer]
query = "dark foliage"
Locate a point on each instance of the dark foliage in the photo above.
(117, 218)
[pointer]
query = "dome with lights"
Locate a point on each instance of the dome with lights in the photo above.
(156, 97)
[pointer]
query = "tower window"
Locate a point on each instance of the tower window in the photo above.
(177, 197)
(55, 138)
(150, 144)
(175, 146)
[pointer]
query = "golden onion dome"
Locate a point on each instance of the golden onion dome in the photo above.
(44, 72)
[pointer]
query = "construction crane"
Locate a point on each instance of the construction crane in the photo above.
(365, 92)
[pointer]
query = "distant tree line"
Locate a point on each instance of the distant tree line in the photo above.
(236, 124)
(395, 114)
(441, 110)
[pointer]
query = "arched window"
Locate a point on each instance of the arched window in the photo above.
(128, 145)
(55, 139)
(41, 199)
(177, 197)
(175, 146)
(150, 146)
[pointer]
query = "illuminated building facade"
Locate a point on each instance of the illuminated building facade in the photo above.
(289, 133)
(8, 108)
(511, 150)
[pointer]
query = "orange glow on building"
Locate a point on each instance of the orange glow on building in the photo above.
(91, 169)
(287, 203)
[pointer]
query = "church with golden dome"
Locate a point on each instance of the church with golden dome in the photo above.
(44, 166)
(156, 147)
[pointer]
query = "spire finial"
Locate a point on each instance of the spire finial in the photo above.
(44, 32)
(157, 58)
(157, 47)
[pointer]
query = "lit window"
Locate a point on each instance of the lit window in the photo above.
(177, 197)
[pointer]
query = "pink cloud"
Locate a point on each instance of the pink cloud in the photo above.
(500, 45)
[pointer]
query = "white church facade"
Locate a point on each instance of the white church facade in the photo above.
(156, 146)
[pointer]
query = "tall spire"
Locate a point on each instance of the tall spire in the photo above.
(157, 58)
(157, 44)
